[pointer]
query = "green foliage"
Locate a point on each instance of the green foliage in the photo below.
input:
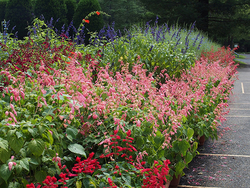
(19, 14)
(55, 9)
(84, 7)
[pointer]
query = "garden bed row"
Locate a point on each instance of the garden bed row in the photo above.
(67, 119)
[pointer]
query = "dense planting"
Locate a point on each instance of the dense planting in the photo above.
(69, 117)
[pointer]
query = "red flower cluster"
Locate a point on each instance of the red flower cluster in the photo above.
(121, 150)
(156, 176)
(86, 166)
(111, 183)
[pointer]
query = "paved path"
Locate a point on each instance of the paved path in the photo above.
(225, 162)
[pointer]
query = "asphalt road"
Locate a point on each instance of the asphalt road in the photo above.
(225, 162)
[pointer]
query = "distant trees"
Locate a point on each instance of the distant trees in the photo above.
(19, 14)
(228, 21)
(71, 7)
(123, 13)
(179, 11)
(55, 9)
(84, 7)
(3, 4)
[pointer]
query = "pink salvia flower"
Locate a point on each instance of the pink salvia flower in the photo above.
(10, 164)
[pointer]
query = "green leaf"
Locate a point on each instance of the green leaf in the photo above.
(190, 132)
(179, 167)
(14, 185)
(40, 176)
(188, 157)
(77, 148)
(4, 155)
(49, 118)
(127, 179)
(35, 160)
(85, 182)
(158, 139)
(139, 142)
(184, 119)
(25, 163)
(32, 131)
(18, 168)
(71, 133)
(78, 184)
(36, 147)
(183, 146)
(19, 135)
(175, 146)
(16, 144)
(4, 144)
(5, 172)
(161, 153)
(50, 138)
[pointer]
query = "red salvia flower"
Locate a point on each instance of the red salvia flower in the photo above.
(87, 21)
(98, 13)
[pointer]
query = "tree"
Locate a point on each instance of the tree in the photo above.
(55, 9)
(227, 20)
(19, 14)
(3, 4)
(123, 13)
(84, 7)
(71, 7)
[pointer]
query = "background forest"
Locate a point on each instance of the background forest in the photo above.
(225, 21)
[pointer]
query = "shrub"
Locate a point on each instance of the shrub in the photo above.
(85, 7)
(19, 14)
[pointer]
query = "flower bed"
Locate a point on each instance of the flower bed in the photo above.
(69, 122)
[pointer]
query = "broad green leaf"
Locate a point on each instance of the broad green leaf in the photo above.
(32, 132)
(78, 184)
(190, 132)
(24, 182)
(161, 153)
(127, 179)
(175, 146)
(16, 144)
(5, 172)
(139, 142)
(71, 133)
(18, 168)
(40, 176)
(36, 147)
(85, 182)
(36, 160)
(25, 163)
(179, 167)
(49, 118)
(184, 119)
(4, 155)
(188, 157)
(183, 146)
(14, 185)
(19, 134)
(4, 144)
(77, 148)
(50, 137)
